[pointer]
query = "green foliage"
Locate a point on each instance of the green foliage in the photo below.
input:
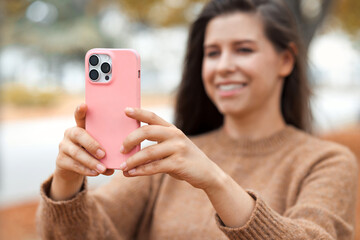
(22, 96)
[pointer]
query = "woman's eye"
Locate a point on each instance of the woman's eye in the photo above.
(212, 54)
(244, 50)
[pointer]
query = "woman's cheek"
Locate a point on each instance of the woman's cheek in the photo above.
(208, 69)
(208, 74)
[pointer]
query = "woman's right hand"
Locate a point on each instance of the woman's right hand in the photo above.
(79, 156)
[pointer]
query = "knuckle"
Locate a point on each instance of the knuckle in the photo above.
(76, 133)
(59, 159)
(171, 168)
(148, 168)
(90, 164)
(78, 168)
(146, 130)
(67, 132)
(180, 146)
(74, 151)
(152, 116)
(130, 139)
(180, 161)
(92, 145)
(81, 169)
(155, 164)
(177, 132)
(61, 146)
(151, 168)
(87, 162)
(150, 152)
(127, 141)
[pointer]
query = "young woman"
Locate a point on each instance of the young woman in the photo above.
(237, 163)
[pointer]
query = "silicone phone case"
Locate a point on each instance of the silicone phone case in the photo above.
(106, 121)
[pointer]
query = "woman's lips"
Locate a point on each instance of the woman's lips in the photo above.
(230, 89)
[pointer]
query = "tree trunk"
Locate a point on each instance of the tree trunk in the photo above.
(307, 26)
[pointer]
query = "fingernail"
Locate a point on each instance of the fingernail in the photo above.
(79, 106)
(100, 153)
(123, 166)
(100, 168)
(132, 171)
(129, 110)
(94, 172)
(122, 149)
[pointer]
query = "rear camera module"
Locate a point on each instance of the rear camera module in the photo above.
(99, 67)
(105, 67)
(94, 60)
(94, 75)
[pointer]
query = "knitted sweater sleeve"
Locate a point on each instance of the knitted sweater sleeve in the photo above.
(112, 211)
(323, 209)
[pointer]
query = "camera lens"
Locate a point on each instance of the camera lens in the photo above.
(94, 75)
(94, 60)
(105, 67)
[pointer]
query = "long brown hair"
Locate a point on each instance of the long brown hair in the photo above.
(195, 113)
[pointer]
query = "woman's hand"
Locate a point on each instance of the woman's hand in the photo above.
(79, 153)
(174, 153)
(78, 157)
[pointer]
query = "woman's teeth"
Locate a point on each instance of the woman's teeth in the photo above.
(229, 87)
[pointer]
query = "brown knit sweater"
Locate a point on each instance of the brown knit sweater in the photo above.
(304, 188)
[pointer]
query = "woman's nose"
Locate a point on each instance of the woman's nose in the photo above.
(226, 64)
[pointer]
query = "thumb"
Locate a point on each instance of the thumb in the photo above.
(80, 115)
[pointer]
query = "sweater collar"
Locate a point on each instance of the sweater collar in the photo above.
(256, 147)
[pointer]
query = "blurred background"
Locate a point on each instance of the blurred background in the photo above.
(42, 50)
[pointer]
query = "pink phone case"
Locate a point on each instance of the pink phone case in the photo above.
(106, 121)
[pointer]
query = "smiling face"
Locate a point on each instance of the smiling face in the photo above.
(242, 72)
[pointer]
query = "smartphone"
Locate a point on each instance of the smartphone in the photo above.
(112, 83)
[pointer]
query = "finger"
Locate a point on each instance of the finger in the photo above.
(159, 166)
(66, 162)
(82, 156)
(149, 154)
(109, 172)
(146, 132)
(82, 137)
(146, 117)
(80, 114)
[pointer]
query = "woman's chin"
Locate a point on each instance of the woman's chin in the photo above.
(231, 106)
(231, 111)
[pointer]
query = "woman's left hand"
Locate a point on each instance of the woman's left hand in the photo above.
(174, 153)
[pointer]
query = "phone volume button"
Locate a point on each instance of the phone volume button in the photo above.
(138, 73)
